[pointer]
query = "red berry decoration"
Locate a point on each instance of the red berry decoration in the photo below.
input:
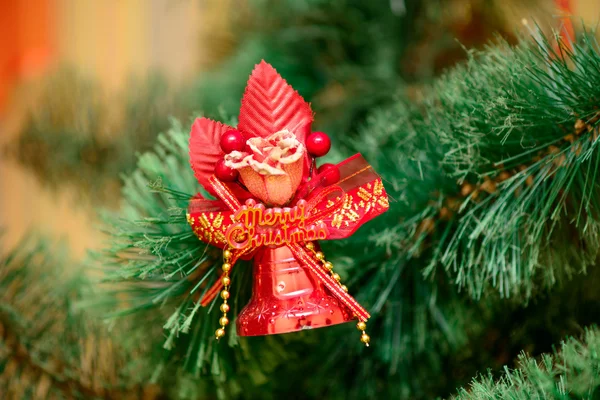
(232, 141)
(225, 173)
(318, 144)
(330, 172)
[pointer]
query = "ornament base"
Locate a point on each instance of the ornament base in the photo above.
(286, 297)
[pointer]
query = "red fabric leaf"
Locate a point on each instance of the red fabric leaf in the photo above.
(270, 105)
(205, 149)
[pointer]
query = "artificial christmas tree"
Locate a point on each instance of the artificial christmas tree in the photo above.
(509, 135)
(489, 248)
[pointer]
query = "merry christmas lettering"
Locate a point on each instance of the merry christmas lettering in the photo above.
(257, 226)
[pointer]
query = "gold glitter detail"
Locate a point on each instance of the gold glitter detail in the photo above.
(337, 220)
(364, 194)
(378, 190)
(368, 198)
(210, 227)
(218, 221)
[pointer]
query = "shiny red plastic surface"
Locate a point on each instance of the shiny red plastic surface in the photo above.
(287, 298)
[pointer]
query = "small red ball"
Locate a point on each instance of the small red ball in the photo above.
(330, 172)
(224, 173)
(318, 144)
(232, 140)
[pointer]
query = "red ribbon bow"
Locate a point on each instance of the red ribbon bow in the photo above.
(332, 212)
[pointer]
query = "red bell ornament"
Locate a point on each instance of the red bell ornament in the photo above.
(286, 297)
(279, 212)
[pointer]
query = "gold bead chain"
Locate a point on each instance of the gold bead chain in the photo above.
(226, 281)
(362, 325)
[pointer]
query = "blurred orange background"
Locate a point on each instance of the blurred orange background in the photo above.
(110, 40)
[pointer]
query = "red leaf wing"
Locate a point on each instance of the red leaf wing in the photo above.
(205, 149)
(270, 105)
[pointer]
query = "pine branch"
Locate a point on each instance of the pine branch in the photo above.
(507, 171)
(461, 195)
(46, 349)
(571, 373)
(513, 130)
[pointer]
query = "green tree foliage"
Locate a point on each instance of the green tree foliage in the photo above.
(49, 350)
(493, 176)
(518, 133)
(571, 373)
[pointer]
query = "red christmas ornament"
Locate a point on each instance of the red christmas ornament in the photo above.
(232, 141)
(330, 174)
(318, 144)
(282, 284)
(279, 215)
(225, 173)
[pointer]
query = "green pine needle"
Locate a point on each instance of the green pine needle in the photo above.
(571, 373)
(50, 350)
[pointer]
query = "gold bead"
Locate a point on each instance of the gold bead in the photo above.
(223, 321)
(329, 265)
(319, 255)
(310, 245)
(224, 294)
(345, 288)
(361, 326)
(226, 281)
(226, 267)
(219, 333)
(336, 276)
(365, 338)
(226, 254)
(224, 307)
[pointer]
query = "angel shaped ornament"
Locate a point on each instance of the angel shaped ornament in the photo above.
(274, 205)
